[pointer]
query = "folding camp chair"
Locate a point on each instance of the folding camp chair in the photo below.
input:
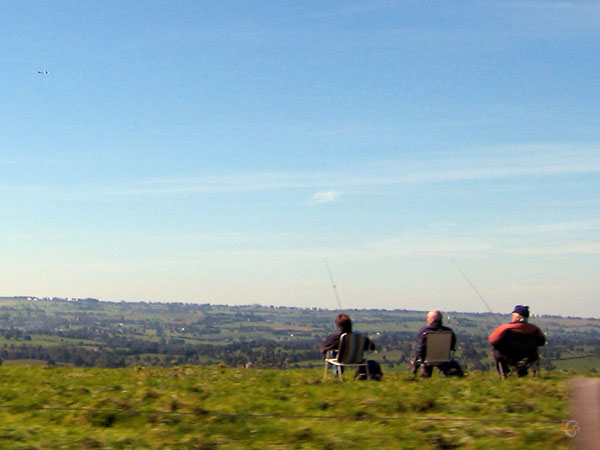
(438, 353)
(439, 344)
(519, 352)
(349, 354)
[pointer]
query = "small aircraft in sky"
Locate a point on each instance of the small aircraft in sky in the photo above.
(44, 72)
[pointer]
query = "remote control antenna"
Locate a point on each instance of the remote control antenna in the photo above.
(333, 285)
(476, 291)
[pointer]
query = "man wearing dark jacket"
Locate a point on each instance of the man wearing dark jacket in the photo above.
(331, 343)
(434, 323)
(516, 341)
(344, 325)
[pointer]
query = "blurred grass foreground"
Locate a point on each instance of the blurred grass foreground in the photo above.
(219, 407)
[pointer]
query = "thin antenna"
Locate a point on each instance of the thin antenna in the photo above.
(337, 297)
(476, 291)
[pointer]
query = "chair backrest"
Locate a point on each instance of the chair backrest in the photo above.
(351, 349)
(438, 346)
(519, 348)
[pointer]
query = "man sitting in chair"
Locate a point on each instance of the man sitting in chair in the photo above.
(332, 342)
(515, 343)
(450, 367)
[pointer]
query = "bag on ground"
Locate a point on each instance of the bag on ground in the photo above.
(375, 372)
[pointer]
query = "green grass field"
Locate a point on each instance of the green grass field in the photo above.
(219, 407)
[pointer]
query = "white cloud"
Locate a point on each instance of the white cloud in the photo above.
(548, 228)
(576, 248)
(325, 196)
(551, 239)
(349, 9)
(432, 243)
(469, 165)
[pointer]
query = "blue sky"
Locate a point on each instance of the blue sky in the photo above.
(214, 151)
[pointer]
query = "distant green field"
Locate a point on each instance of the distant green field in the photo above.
(24, 362)
(588, 364)
(219, 407)
(88, 332)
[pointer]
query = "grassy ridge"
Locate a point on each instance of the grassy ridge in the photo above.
(188, 407)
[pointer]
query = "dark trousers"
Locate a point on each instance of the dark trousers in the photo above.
(450, 368)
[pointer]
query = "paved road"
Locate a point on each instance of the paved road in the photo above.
(585, 410)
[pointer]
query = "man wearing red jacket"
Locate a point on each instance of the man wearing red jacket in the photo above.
(516, 341)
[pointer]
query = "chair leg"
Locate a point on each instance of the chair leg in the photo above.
(535, 368)
(501, 370)
(325, 372)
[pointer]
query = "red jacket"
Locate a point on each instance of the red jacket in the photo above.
(517, 327)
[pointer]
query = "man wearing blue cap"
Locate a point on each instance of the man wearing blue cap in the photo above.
(515, 342)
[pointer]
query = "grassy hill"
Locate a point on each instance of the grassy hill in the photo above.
(219, 407)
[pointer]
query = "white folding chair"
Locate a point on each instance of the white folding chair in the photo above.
(350, 354)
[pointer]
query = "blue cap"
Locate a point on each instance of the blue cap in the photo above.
(522, 310)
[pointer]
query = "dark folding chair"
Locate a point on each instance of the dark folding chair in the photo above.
(519, 352)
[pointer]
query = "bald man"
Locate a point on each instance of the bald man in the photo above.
(434, 323)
